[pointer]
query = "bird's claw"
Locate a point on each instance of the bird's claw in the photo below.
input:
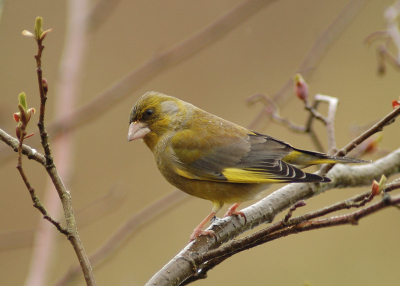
(197, 232)
(239, 213)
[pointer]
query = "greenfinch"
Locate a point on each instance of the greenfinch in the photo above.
(214, 159)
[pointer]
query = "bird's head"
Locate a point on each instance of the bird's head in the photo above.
(153, 115)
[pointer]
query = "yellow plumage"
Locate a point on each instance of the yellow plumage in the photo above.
(214, 159)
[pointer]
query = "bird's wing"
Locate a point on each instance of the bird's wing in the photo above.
(234, 155)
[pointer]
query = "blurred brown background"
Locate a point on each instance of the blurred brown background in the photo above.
(259, 55)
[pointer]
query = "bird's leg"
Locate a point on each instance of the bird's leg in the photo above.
(232, 211)
(199, 229)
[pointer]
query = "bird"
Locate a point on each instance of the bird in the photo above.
(214, 159)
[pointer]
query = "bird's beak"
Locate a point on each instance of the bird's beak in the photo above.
(137, 130)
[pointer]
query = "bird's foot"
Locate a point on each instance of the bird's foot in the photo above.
(198, 231)
(235, 213)
(232, 211)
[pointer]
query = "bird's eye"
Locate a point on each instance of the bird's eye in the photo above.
(149, 112)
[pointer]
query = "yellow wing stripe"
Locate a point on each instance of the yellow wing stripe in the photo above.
(236, 175)
(184, 174)
(303, 159)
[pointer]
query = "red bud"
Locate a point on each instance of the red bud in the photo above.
(17, 117)
(375, 188)
(300, 87)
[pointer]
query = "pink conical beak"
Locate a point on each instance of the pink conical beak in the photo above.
(137, 130)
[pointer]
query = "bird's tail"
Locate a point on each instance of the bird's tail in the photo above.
(303, 158)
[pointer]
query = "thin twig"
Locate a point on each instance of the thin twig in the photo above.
(43, 98)
(388, 119)
(311, 131)
(35, 199)
(333, 102)
(272, 110)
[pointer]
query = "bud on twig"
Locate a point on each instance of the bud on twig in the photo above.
(378, 188)
(23, 116)
(38, 34)
(396, 103)
(38, 27)
(300, 87)
(45, 86)
(375, 188)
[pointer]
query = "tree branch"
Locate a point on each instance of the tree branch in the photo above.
(286, 227)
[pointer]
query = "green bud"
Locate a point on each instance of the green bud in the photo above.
(382, 183)
(22, 100)
(38, 27)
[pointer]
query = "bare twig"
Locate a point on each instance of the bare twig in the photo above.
(37, 204)
(272, 110)
(329, 121)
(311, 131)
(388, 119)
